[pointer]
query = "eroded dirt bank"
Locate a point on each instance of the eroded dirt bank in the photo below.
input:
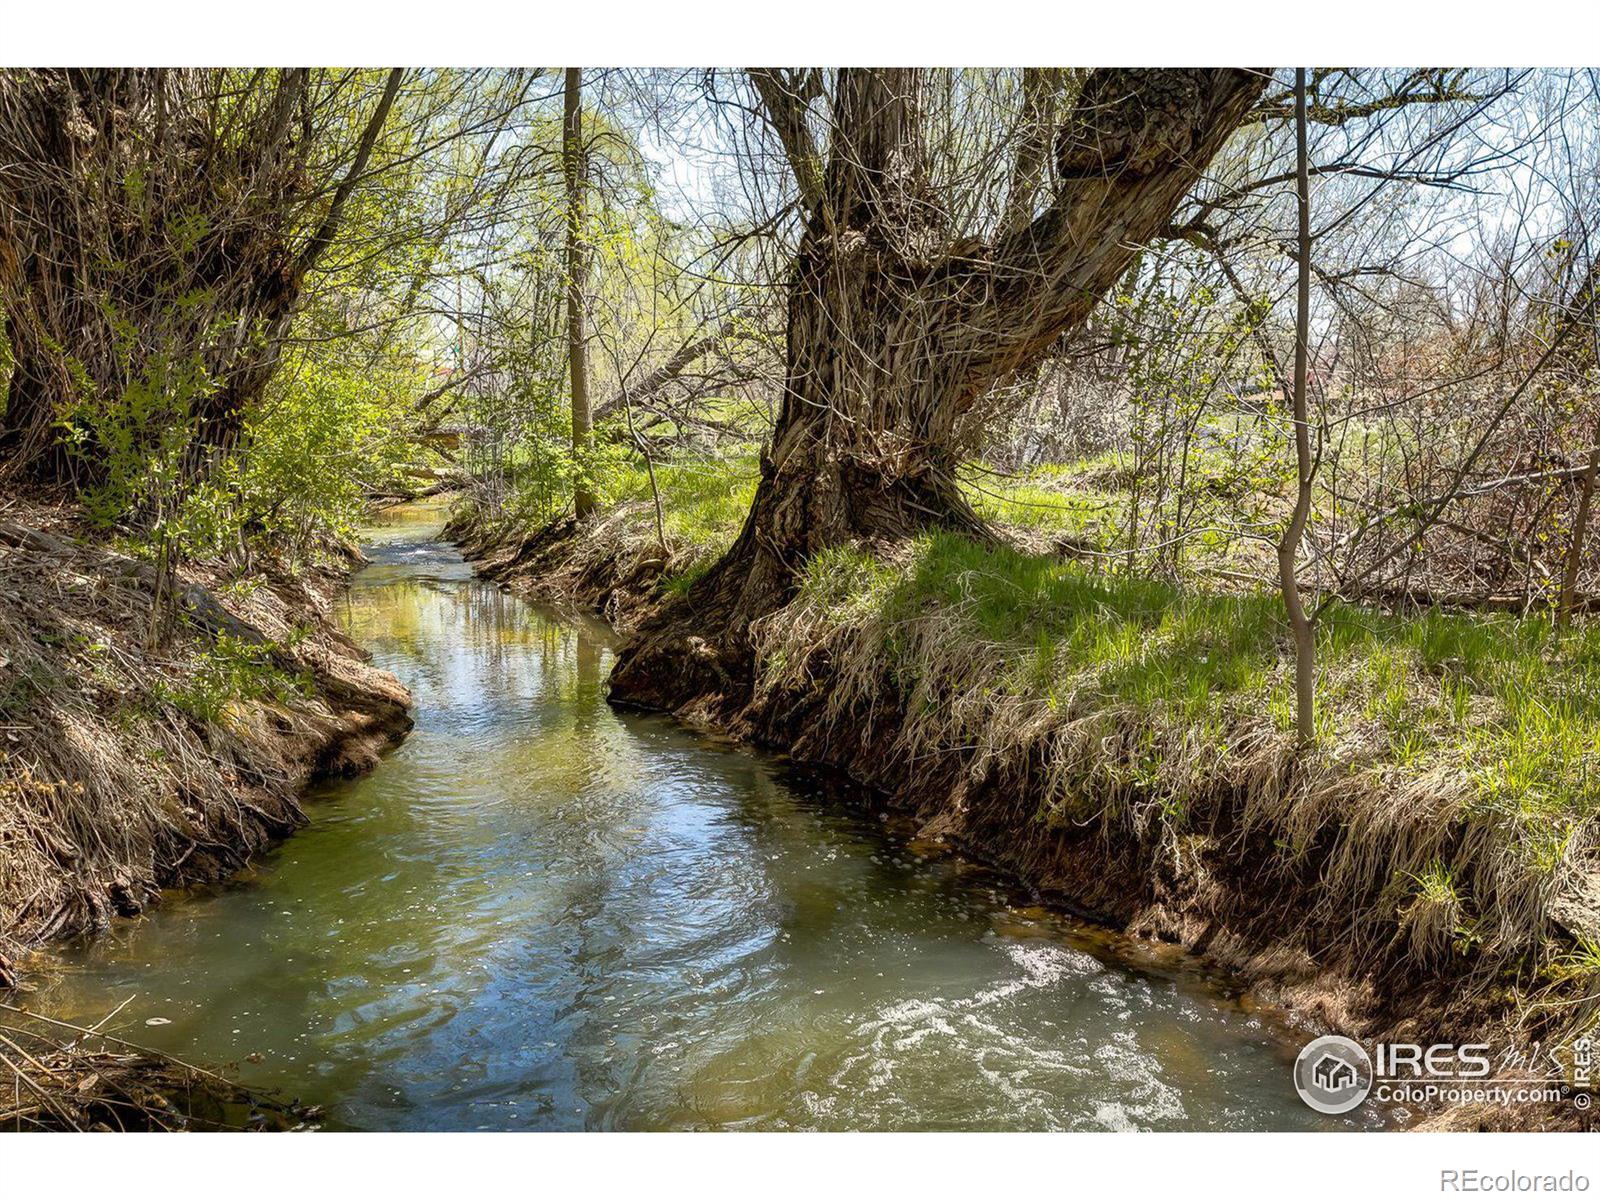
(1299, 931)
(127, 767)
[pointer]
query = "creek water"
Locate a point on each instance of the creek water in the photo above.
(541, 913)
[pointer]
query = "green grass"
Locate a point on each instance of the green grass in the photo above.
(1509, 702)
(1454, 786)
(704, 502)
(1049, 500)
(1085, 507)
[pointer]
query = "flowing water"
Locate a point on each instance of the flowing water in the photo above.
(539, 913)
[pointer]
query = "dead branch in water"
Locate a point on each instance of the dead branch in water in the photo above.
(55, 1075)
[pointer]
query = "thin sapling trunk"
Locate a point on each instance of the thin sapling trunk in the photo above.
(1300, 623)
(573, 162)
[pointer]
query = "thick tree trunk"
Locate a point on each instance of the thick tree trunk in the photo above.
(27, 423)
(825, 481)
(100, 295)
(42, 293)
(896, 329)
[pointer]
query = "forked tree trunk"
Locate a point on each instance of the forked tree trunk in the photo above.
(99, 294)
(896, 329)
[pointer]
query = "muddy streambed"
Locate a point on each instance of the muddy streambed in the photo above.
(540, 913)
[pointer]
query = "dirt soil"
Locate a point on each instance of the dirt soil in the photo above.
(129, 766)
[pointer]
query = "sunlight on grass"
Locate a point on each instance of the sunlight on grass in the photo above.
(1051, 499)
(704, 502)
(1504, 700)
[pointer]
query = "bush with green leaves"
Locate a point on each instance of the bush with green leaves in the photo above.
(333, 426)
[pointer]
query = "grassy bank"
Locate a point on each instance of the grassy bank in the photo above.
(621, 561)
(1452, 796)
(128, 766)
(703, 503)
(1126, 745)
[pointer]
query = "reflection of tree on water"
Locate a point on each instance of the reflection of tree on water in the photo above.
(603, 810)
(586, 680)
(549, 795)
(571, 785)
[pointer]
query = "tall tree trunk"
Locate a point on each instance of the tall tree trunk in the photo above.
(896, 329)
(41, 260)
(268, 314)
(574, 163)
(99, 295)
(1584, 303)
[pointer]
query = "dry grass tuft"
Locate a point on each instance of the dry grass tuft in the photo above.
(124, 771)
(1445, 817)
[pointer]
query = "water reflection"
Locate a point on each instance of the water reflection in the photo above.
(540, 913)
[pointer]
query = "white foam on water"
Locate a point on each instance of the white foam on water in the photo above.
(974, 1040)
(1134, 1075)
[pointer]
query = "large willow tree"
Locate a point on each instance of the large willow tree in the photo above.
(156, 232)
(911, 298)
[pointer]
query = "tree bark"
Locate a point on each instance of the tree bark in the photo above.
(1041, 88)
(574, 165)
(1300, 623)
(98, 293)
(896, 329)
(270, 314)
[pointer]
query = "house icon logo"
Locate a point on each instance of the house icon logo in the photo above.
(1333, 1074)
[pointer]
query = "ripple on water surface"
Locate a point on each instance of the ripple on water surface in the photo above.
(541, 913)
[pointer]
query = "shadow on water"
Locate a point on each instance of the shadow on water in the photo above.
(540, 913)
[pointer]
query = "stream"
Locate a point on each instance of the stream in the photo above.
(541, 913)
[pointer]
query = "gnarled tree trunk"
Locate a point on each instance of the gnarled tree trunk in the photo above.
(150, 230)
(896, 327)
